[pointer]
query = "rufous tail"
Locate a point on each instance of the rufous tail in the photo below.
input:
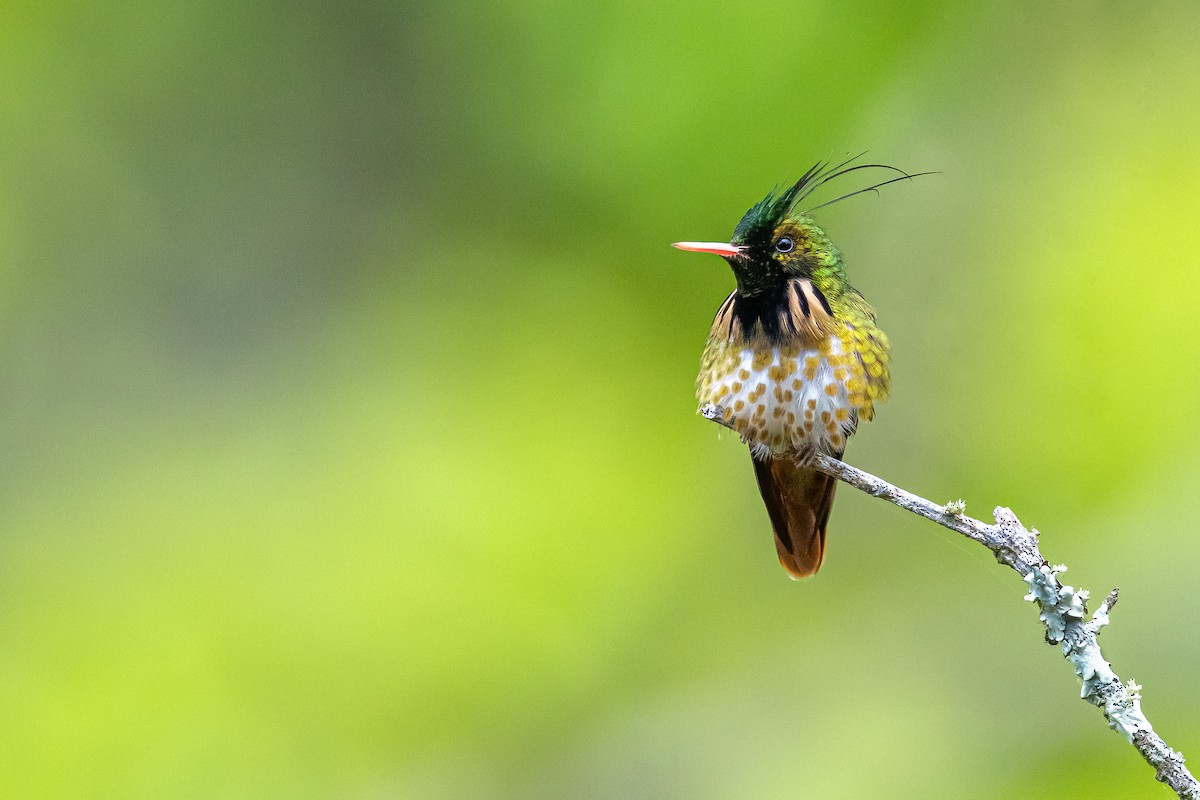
(798, 502)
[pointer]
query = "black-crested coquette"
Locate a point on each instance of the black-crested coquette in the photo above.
(794, 359)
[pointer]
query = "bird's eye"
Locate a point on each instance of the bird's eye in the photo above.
(784, 244)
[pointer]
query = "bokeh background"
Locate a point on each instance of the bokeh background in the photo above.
(346, 416)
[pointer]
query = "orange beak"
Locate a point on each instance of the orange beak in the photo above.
(717, 248)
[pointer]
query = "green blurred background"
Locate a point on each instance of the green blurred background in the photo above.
(349, 446)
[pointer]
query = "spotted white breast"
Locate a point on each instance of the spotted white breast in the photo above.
(788, 399)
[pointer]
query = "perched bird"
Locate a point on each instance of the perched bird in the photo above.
(794, 359)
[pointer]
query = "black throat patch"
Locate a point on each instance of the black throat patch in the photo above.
(797, 310)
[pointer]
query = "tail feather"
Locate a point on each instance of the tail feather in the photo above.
(798, 501)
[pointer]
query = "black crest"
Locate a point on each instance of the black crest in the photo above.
(760, 222)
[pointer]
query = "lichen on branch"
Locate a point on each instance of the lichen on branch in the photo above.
(1062, 610)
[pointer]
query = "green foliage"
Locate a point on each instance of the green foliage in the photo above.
(348, 432)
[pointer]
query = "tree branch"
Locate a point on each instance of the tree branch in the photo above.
(1062, 610)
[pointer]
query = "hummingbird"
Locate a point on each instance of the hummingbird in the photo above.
(794, 359)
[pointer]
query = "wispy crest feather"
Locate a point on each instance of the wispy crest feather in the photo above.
(779, 204)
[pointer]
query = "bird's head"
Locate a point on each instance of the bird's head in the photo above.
(776, 241)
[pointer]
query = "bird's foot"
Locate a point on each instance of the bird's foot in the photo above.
(806, 456)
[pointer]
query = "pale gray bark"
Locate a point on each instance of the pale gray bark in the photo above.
(1063, 610)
